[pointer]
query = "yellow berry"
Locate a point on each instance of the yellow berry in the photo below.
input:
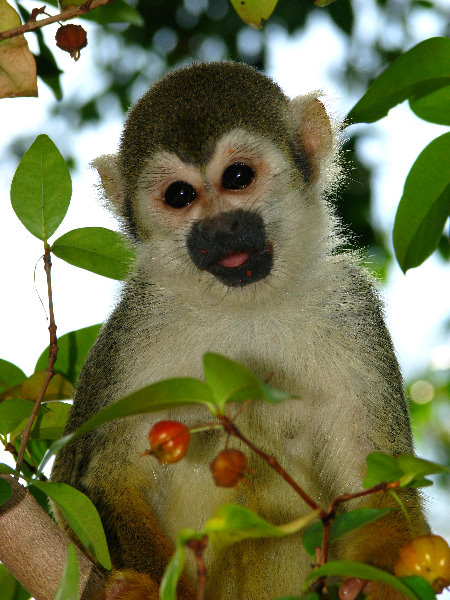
(427, 556)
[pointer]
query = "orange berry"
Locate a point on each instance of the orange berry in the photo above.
(169, 441)
(427, 556)
(229, 467)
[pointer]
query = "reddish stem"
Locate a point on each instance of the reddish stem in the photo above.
(231, 428)
(52, 355)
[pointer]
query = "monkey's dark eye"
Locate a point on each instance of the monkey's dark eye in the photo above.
(237, 176)
(179, 194)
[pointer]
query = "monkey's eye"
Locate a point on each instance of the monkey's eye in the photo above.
(179, 194)
(237, 176)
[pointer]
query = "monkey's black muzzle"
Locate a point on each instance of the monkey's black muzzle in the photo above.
(232, 246)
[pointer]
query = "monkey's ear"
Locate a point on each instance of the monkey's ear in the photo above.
(108, 170)
(313, 134)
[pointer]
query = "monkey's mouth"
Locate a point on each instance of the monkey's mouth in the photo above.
(242, 267)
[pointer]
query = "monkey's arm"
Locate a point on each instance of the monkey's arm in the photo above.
(139, 549)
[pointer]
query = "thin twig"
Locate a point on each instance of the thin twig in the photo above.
(231, 428)
(33, 469)
(65, 15)
(52, 354)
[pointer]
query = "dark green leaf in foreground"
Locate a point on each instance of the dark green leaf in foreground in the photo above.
(5, 491)
(51, 424)
(96, 249)
(68, 587)
(407, 469)
(162, 395)
(344, 523)
(81, 516)
(10, 587)
(6, 469)
(434, 106)
(12, 412)
(10, 375)
(41, 188)
(420, 586)
(229, 380)
(354, 569)
(424, 205)
(73, 348)
(425, 66)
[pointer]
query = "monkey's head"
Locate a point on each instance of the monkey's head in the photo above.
(219, 179)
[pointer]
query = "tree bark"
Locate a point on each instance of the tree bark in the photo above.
(33, 548)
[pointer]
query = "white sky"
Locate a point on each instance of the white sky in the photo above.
(417, 303)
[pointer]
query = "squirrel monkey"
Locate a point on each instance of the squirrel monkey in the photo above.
(221, 181)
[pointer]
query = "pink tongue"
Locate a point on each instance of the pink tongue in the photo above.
(234, 259)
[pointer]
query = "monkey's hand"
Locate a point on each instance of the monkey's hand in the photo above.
(131, 585)
(128, 585)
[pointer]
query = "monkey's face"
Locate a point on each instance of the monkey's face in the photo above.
(219, 180)
(219, 221)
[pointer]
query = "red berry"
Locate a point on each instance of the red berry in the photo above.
(169, 441)
(71, 38)
(229, 467)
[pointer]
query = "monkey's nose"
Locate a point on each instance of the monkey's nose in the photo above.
(223, 223)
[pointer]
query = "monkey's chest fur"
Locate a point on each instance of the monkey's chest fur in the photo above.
(313, 437)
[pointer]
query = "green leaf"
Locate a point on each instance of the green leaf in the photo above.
(73, 348)
(414, 469)
(81, 516)
(424, 205)
(116, 12)
(96, 249)
(41, 188)
(434, 106)
(172, 574)
(344, 523)
(10, 375)
(407, 469)
(254, 12)
(229, 381)
(381, 467)
(272, 395)
(51, 424)
(6, 469)
(5, 491)
(10, 587)
(68, 586)
(420, 586)
(232, 523)
(162, 395)
(361, 570)
(12, 412)
(428, 64)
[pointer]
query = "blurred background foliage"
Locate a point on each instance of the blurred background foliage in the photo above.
(160, 34)
(156, 35)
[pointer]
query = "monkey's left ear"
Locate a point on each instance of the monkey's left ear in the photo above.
(313, 138)
(108, 171)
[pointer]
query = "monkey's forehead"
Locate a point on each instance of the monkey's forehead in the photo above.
(190, 109)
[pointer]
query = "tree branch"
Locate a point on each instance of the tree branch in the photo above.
(33, 548)
(65, 15)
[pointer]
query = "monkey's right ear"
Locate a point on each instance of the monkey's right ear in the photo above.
(108, 169)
